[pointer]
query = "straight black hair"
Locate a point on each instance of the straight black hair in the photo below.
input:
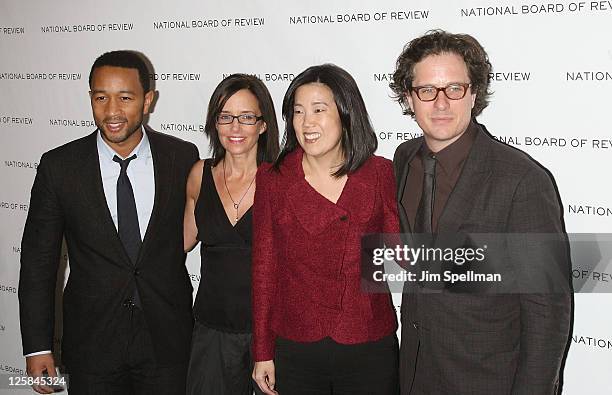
(358, 139)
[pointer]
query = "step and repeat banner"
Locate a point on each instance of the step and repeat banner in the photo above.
(552, 83)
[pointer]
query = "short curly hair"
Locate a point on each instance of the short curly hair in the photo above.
(436, 42)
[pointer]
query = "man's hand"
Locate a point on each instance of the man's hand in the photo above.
(263, 374)
(36, 365)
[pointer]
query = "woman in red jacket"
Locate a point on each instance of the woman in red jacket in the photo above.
(314, 330)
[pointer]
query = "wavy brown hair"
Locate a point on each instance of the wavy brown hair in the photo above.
(436, 42)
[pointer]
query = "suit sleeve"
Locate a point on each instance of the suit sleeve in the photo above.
(398, 162)
(545, 317)
(264, 267)
(194, 155)
(40, 254)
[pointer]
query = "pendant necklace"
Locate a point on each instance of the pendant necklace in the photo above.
(236, 205)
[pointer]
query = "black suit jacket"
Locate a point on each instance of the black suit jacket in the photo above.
(68, 201)
(486, 344)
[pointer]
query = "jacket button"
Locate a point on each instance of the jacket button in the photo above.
(415, 324)
(344, 218)
(136, 272)
(127, 303)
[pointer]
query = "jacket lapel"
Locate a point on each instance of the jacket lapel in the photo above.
(163, 169)
(90, 180)
(473, 178)
(312, 210)
(315, 212)
(359, 193)
(402, 168)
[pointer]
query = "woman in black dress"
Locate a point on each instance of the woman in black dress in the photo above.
(242, 130)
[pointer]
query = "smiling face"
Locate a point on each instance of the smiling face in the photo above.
(442, 120)
(317, 122)
(119, 102)
(237, 138)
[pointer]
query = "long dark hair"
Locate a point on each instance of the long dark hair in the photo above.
(267, 145)
(358, 138)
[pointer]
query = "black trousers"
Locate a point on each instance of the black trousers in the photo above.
(136, 373)
(327, 367)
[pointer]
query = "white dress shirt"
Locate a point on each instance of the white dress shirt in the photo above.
(142, 177)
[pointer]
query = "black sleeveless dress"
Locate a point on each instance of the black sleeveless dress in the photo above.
(223, 301)
(221, 361)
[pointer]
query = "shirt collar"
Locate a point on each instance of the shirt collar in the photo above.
(453, 155)
(142, 150)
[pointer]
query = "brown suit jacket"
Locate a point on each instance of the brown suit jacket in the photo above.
(486, 344)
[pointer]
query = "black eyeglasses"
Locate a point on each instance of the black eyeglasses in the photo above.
(245, 119)
(455, 91)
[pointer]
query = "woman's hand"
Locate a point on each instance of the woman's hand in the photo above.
(263, 374)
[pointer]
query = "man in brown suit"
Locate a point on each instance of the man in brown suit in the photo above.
(467, 343)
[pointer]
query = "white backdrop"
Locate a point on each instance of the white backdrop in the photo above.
(552, 83)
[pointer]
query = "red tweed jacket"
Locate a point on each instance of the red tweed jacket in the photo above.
(306, 256)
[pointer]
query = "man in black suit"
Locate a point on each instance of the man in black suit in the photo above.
(457, 179)
(117, 197)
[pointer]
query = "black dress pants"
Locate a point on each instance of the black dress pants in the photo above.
(138, 373)
(327, 367)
